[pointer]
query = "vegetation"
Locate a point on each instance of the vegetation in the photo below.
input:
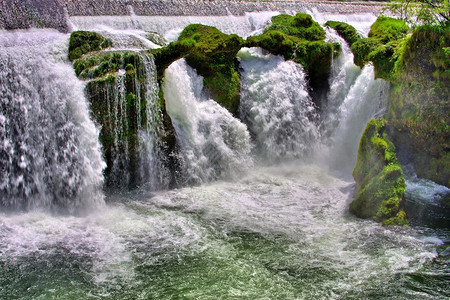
(82, 42)
(301, 39)
(419, 103)
(213, 54)
(417, 117)
(421, 12)
(346, 31)
(380, 185)
(385, 36)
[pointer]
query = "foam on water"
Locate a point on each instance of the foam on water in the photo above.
(281, 231)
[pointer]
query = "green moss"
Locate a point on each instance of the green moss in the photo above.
(382, 46)
(99, 64)
(384, 60)
(346, 31)
(387, 29)
(316, 57)
(211, 50)
(167, 55)
(224, 88)
(361, 50)
(301, 39)
(82, 42)
(212, 53)
(300, 26)
(274, 41)
(380, 185)
(419, 102)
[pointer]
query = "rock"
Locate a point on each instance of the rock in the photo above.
(419, 105)
(380, 186)
(346, 31)
(302, 40)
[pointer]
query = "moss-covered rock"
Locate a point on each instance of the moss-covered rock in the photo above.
(301, 39)
(419, 106)
(346, 31)
(167, 55)
(82, 42)
(387, 29)
(301, 26)
(213, 54)
(361, 50)
(385, 37)
(380, 185)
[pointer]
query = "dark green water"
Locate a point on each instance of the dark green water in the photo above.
(278, 233)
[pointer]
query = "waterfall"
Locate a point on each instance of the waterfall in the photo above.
(365, 100)
(214, 144)
(49, 156)
(127, 104)
(276, 106)
(153, 167)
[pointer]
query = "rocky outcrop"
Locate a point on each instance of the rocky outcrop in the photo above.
(418, 116)
(301, 39)
(380, 186)
(385, 38)
(122, 89)
(419, 104)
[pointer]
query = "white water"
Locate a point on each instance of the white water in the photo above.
(355, 97)
(50, 155)
(276, 106)
(281, 232)
(214, 143)
(153, 172)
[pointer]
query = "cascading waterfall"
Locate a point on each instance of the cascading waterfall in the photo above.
(50, 156)
(171, 27)
(365, 100)
(355, 97)
(276, 106)
(153, 168)
(343, 75)
(116, 122)
(214, 143)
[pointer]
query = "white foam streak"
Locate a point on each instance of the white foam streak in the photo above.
(50, 147)
(276, 106)
(213, 142)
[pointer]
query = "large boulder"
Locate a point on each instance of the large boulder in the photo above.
(380, 186)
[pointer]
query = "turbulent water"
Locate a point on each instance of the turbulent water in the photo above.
(276, 106)
(50, 155)
(214, 143)
(254, 227)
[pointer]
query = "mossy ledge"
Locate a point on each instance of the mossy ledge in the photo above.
(380, 185)
(301, 39)
(418, 68)
(117, 93)
(346, 31)
(82, 42)
(419, 104)
(213, 54)
(385, 37)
